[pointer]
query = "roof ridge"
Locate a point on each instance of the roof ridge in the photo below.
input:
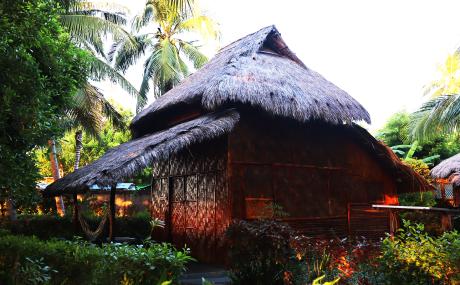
(228, 46)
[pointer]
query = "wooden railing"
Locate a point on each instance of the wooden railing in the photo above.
(361, 221)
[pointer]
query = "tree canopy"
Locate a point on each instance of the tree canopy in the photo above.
(41, 71)
(396, 132)
(93, 147)
(441, 112)
(160, 30)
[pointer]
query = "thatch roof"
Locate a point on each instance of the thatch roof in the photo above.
(261, 71)
(127, 159)
(448, 169)
(407, 180)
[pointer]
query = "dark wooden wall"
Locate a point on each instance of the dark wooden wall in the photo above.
(317, 173)
(189, 192)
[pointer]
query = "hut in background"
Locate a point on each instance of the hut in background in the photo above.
(252, 129)
(447, 180)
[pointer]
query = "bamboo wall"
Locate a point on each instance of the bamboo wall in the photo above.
(318, 174)
(189, 192)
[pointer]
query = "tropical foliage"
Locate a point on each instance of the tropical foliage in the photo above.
(77, 262)
(93, 147)
(261, 253)
(396, 134)
(448, 81)
(160, 32)
(49, 226)
(441, 112)
(420, 167)
(89, 24)
(41, 71)
(414, 257)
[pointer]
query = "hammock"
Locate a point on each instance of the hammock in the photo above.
(93, 235)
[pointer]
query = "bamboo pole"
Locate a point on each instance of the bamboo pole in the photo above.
(112, 212)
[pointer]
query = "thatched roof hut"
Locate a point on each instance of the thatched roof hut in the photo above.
(446, 177)
(448, 169)
(258, 70)
(252, 128)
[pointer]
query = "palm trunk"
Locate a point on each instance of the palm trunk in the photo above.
(55, 170)
(11, 209)
(78, 148)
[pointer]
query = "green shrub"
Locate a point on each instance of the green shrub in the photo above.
(261, 253)
(51, 226)
(414, 257)
(420, 167)
(23, 259)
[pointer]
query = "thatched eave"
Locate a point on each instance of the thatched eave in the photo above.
(407, 180)
(129, 158)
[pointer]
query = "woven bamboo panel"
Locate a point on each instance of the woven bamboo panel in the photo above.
(160, 168)
(199, 203)
(210, 210)
(177, 219)
(159, 198)
(223, 213)
(178, 194)
(191, 188)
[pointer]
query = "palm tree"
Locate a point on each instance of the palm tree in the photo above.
(163, 29)
(182, 5)
(441, 113)
(88, 24)
(449, 79)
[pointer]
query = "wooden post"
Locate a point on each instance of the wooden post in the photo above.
(169, 214)
(60, 207)
(75, 213)
(112, 212)
(394, 224)
(446, 222)
(11, 207)
(349, 219)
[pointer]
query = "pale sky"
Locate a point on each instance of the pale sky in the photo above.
(381, 52)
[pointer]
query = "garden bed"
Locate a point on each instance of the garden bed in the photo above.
(29, 260)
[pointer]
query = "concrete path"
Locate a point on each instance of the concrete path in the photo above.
(212, 273)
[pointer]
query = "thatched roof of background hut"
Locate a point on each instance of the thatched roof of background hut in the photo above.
(448, 169)
(258, 70)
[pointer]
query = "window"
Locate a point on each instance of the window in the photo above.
(257, 208)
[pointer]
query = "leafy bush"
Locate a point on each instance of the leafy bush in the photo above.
(261, 253)
(420, 167)
(50, 226)
(77, 262)
(334, 258)
(414, 257)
